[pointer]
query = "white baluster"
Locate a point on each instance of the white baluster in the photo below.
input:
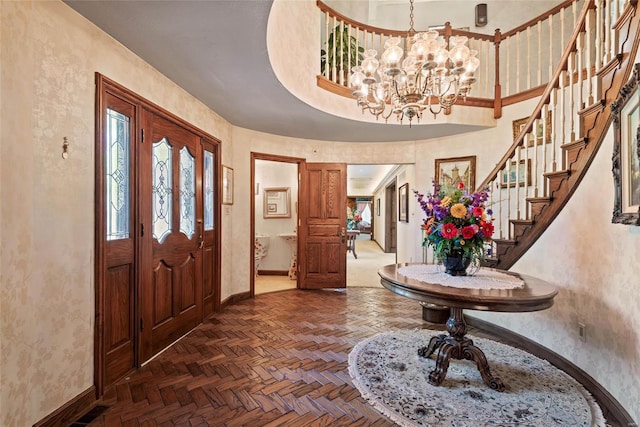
(517, 62)
(528, 58)
(589, 59)
(539, 26)
(607, 30)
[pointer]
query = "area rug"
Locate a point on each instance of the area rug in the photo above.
(388, 372)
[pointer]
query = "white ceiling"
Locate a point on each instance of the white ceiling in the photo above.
(363, 180)
(216, 50)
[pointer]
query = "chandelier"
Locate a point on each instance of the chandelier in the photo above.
(431, 76)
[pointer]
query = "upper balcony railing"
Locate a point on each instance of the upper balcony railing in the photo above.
(514, 65)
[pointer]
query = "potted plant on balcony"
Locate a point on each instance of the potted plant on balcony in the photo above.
(347, 52)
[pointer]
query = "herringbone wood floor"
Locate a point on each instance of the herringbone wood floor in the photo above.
(280, 359)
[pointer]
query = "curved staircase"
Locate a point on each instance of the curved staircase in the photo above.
(523, 218)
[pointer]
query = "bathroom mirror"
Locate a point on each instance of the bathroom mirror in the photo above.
(277, 202)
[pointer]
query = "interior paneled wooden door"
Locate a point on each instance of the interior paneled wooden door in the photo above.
(322, 254)
(171, 211)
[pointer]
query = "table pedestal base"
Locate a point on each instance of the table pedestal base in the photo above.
(456, 346)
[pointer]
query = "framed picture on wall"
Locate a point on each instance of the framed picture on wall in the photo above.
(626, 152)
(403, 203)
(519, 124)
(378, 206)
(450, 172)
(227, 185)
(277, 202)
(517, 175)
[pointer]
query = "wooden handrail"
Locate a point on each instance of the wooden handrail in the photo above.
(537, 19)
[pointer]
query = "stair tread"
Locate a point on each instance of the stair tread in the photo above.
(546, 199)
(522, 221)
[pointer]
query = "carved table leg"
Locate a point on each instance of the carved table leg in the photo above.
(456, 346)
(434, 344)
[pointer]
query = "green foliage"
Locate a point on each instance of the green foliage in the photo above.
(345, 51)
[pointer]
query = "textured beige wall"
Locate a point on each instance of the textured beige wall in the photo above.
(596, 264)
(49, 57)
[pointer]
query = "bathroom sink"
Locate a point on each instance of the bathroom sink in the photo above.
(288, 236)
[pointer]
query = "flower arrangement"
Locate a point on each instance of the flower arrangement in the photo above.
(353, 218)
(456, 224)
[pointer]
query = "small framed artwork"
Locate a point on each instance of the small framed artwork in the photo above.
(516, 175)
(519, 124)
(277, 202)
(378, 206)
(451, 172)
(227, 185)
(403, 203)
(626, 152)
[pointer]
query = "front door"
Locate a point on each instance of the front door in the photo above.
(322, 260)
(171, 211)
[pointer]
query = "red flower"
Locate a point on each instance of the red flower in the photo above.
(461, 185)
(449, 231)
(478, 211)
(487, 229)
(468, 232)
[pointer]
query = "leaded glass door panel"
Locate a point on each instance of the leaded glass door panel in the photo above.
(172, 212)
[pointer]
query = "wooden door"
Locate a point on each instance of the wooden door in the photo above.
(322, 246)
(171, 211)
(115, 225)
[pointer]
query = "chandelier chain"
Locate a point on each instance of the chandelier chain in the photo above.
(411, 30)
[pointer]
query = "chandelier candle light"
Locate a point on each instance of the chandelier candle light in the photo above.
(406, 87)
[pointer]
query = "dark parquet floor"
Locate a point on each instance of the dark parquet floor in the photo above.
(277, 360)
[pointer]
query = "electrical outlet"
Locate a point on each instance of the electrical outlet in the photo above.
(582, 331)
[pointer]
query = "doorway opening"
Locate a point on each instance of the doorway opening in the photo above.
(367, 218)
(274, 223)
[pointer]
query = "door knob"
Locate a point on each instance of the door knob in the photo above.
(343, 235)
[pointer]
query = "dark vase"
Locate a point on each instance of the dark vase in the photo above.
(456, 264)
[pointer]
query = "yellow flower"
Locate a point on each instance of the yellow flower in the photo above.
(458, 210)
(446, 201)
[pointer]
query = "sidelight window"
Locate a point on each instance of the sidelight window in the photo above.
(117, 167)
(208, 190)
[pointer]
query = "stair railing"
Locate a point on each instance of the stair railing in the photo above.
(548, 143)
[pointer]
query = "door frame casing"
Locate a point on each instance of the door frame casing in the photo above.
(105, 85)
(272, 158)
(391, 219)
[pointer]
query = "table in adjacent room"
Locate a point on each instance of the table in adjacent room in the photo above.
(351, 242)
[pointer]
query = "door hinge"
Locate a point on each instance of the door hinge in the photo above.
(141, 230)
(141, 324)
(141, 135)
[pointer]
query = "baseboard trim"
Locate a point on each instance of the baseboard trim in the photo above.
(612, 410)
(70, 411)
(273, 273)
(234, 299)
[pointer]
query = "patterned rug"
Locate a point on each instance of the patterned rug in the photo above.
(388, 372)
